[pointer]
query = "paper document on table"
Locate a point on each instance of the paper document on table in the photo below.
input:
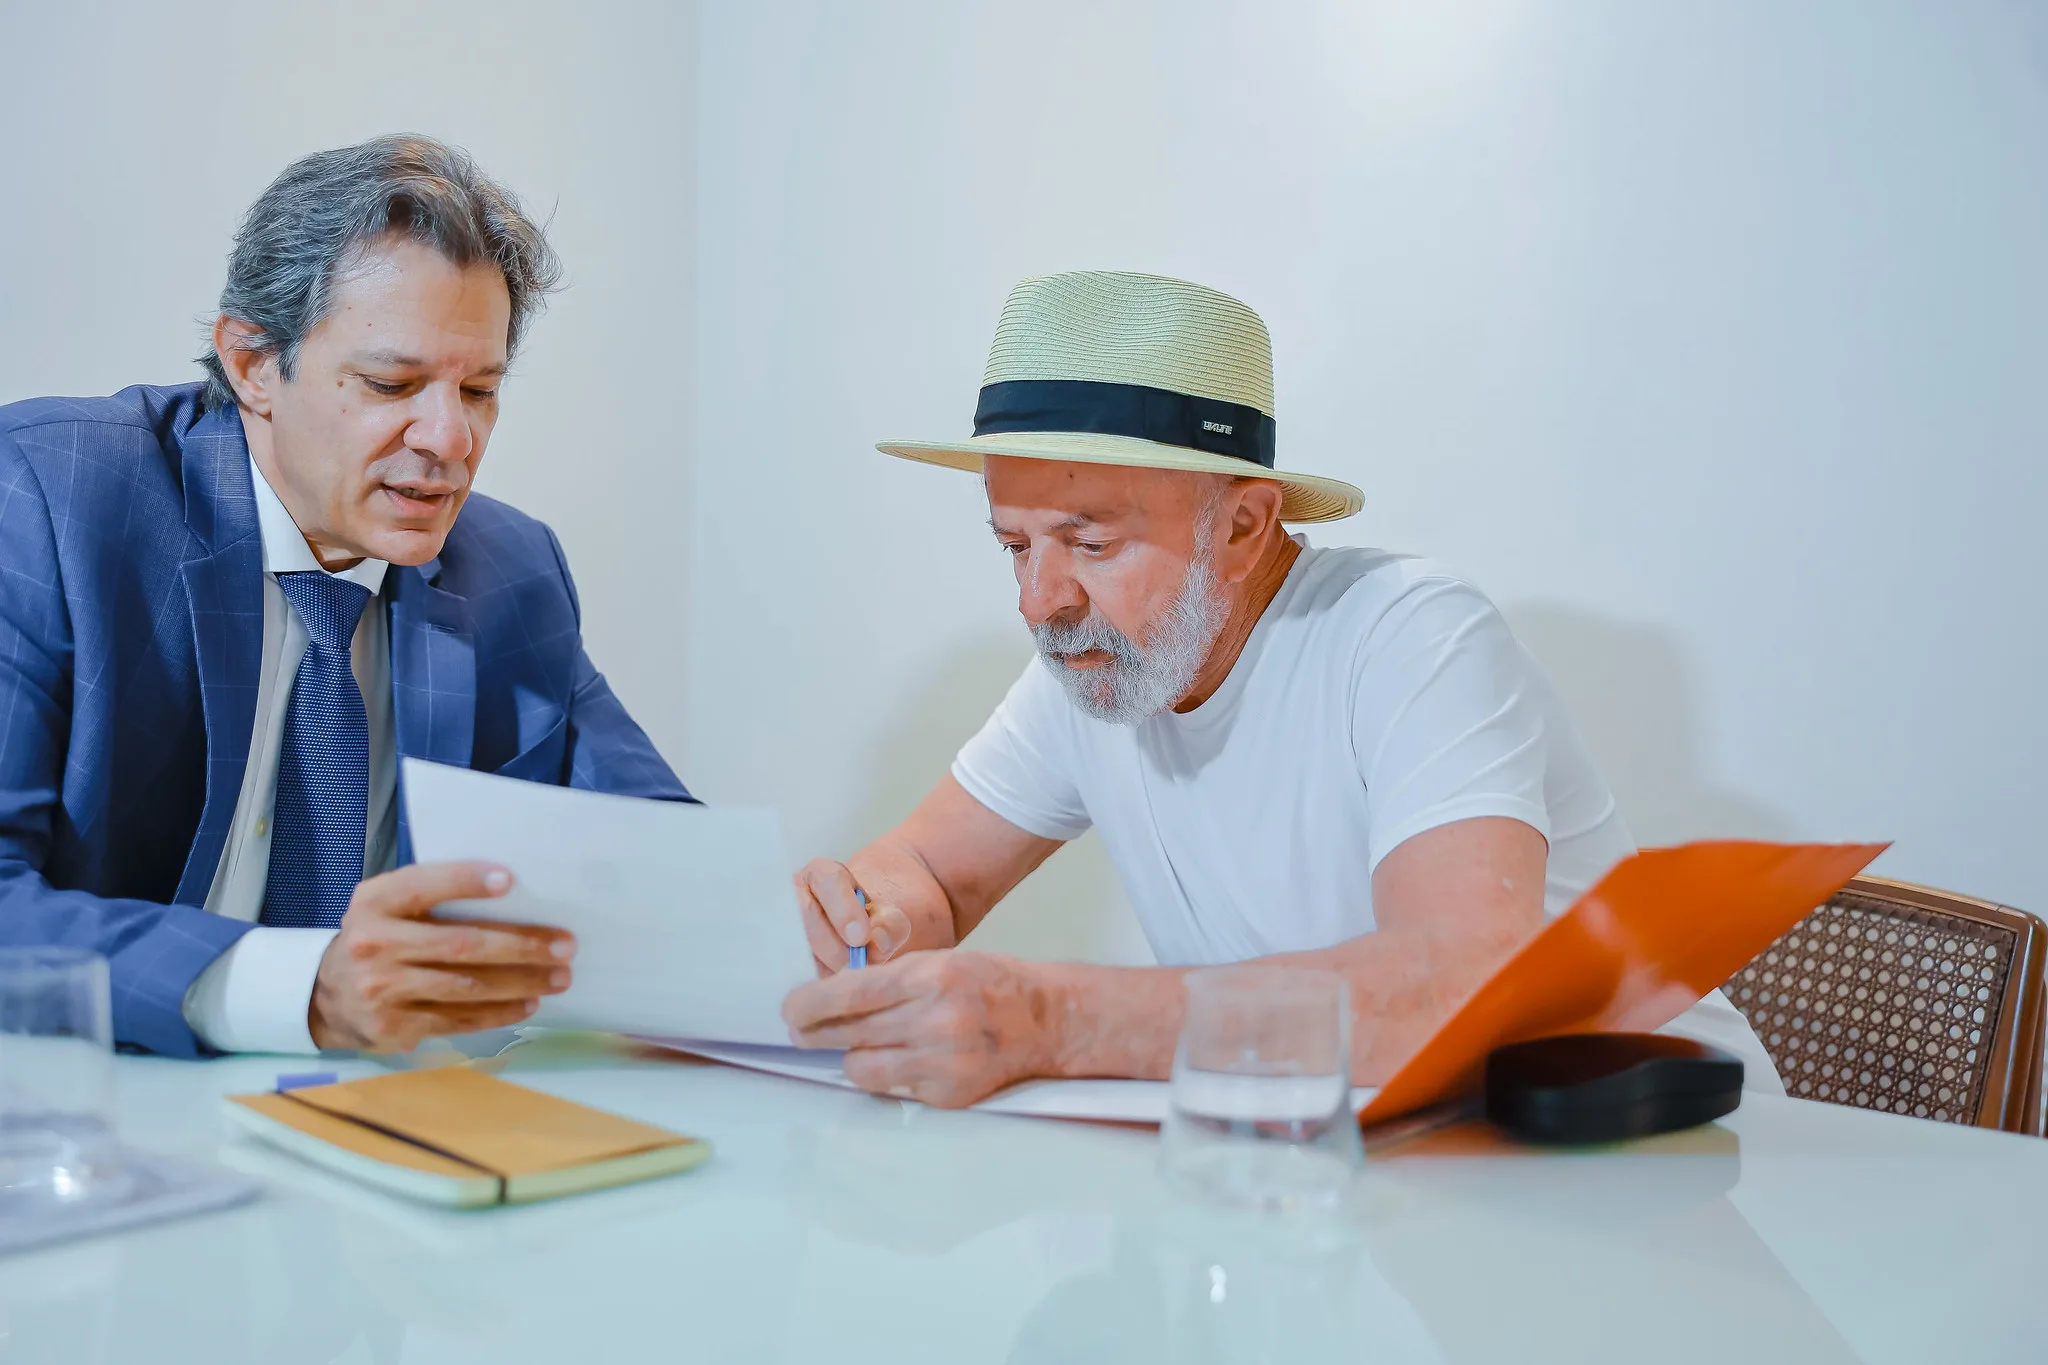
(684, 916)
(1104, 1101)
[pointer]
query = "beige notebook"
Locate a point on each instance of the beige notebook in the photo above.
(458, 1137)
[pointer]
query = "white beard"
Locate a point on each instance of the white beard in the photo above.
(1143, 680)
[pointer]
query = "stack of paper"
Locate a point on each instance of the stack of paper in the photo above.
(1104, 1101)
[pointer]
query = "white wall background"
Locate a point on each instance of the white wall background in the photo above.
(133, 135)
(1707, 337)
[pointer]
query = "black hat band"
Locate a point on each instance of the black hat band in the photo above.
(1174, 419)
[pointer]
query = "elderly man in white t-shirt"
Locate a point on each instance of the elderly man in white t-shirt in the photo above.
(1339, 758)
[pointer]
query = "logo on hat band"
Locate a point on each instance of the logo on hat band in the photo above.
(1175, 419)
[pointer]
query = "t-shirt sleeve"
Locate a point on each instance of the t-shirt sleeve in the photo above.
(1020, 764)
(1448, 717)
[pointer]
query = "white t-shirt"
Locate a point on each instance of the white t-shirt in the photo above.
(1378, 696)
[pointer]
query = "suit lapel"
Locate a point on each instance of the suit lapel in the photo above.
(433, 677)
(224, 592)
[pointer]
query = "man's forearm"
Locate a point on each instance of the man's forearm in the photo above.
(946, 866)
(1452, 903)
(1113, 1021)
(892, 873)
(1125, 1021)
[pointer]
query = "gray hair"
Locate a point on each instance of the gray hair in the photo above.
(325, 210)
(1144, 679)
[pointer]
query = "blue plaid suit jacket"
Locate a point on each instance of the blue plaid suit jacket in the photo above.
(131, 629)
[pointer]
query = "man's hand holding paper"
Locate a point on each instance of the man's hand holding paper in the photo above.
(393, 977)
(684, 922)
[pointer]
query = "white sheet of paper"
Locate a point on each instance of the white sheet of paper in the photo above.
(1106, 1101)
(684, 916)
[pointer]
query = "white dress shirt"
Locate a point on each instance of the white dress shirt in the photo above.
(255, 996)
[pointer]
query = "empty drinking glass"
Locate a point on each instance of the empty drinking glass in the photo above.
(56, 1080)
(1260, 1112)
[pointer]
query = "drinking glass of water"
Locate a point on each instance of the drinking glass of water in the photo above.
(57, 1146)
(1260, 1113)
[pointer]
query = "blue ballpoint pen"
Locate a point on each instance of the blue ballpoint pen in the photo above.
(857, 955)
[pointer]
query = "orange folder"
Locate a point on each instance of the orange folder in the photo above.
(1659, 931)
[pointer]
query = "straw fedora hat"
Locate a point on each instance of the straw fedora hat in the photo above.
(1108, 367)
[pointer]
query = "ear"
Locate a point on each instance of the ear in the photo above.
(252, 372)
(1251, 516)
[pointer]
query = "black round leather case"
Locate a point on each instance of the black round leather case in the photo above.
(1605, 1087)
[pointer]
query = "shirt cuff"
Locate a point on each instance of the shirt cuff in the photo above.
(254, 997)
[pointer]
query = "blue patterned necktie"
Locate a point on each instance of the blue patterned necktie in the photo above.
(323, 767)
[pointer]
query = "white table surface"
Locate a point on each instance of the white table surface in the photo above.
(832, 1227)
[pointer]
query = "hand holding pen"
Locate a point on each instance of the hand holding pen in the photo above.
(846, 928)
(857, 954)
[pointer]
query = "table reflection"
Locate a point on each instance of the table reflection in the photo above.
(1631, 1252)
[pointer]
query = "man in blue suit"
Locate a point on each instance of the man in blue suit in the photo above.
(227, 609)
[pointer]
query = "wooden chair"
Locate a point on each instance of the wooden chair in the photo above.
(1909, 1000)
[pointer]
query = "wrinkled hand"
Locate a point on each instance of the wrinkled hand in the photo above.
(834, 921)
(394, 977)
(947, 1027)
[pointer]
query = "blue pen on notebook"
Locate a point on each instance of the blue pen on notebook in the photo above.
(304, 1080)
(857, 955)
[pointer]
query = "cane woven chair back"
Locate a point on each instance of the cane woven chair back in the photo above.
(1908, 1000)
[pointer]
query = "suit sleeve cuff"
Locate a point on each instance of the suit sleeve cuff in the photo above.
(254, 997)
